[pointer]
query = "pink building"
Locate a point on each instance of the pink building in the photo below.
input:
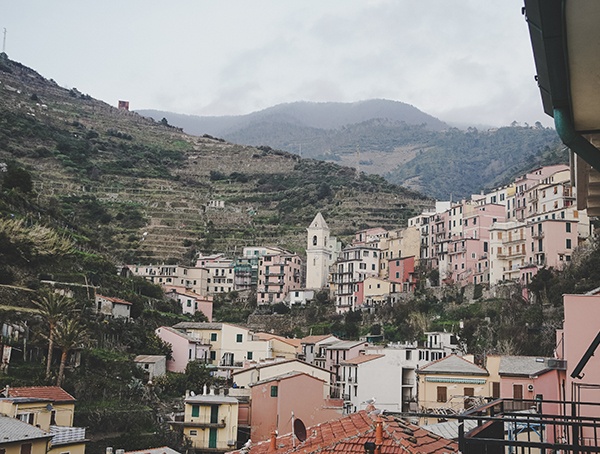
(276, 404)
(580, 333)
(551, 241)
(529, 377)
(277, 275)
(468, 252)
(184, 348)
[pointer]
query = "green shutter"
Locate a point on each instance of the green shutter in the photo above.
(195, 411)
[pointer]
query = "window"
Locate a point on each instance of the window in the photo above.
(274, 391)
(568, 245)
(193, 432)
(239, 337)
(26, 417)
(195, 411)
(213, 337)
(496, 390)
(442, 395)
(213, 355)
(26, 448)
(249, 355)
(568, 227)
(315, 240)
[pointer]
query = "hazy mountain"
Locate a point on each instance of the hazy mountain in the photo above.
(389, 138)
(323, 115)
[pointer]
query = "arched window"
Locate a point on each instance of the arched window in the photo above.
(315, 240)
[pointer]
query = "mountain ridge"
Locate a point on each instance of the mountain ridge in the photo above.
(401, 148)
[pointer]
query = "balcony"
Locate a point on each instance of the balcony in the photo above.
(537, 235)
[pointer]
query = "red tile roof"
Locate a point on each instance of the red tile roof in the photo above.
(349, 434)
(54, 393)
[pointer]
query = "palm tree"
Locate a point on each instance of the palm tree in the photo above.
(53, 308)
(69, 334)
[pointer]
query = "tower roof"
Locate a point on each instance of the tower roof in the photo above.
(319, 222)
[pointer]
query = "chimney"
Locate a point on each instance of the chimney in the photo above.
(109, 450)
(378, 435)
(273, 442)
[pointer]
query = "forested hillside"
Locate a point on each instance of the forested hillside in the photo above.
(144, 191)
(405, 145)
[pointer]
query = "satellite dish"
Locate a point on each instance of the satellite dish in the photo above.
(299, 429)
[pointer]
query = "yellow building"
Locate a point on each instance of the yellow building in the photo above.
(49, 408)
(211, 422)
(17, 437)
(451, 385)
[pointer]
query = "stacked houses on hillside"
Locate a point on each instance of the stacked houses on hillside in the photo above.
(505, 235)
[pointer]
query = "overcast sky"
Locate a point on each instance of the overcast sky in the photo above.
(463, 61)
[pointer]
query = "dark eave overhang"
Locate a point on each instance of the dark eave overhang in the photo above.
(547, 21)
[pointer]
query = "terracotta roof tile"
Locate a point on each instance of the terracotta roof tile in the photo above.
(349, 434)
(54, 393)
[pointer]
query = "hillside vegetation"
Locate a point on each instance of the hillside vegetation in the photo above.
(392, 139)
(144, 191)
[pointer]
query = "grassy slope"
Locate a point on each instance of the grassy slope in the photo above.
(114, 175)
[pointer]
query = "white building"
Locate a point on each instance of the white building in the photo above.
(112, 307)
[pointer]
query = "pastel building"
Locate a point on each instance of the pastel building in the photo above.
(266, 370)
(49, 408)
(173, 276)
(229, 345)
(184, 348)
(191, 302)
(278, 275)
(276, 406)
(314, 348)
(211, 422)
(354, 265)
(220, 273)
(452, 383)
(398, 245)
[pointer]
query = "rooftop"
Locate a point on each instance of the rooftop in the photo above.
(452, 364)
(522, 365)
(13, 430)
(53, 393)
(350, 433)
(362, 359)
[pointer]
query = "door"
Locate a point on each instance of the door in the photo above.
(212, 438)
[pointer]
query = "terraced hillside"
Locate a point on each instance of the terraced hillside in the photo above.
(144, 191)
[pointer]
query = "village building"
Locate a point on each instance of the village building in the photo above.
(49, 408)
(112, 307)
(184, 348)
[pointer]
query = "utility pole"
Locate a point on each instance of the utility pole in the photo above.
(4, 41)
